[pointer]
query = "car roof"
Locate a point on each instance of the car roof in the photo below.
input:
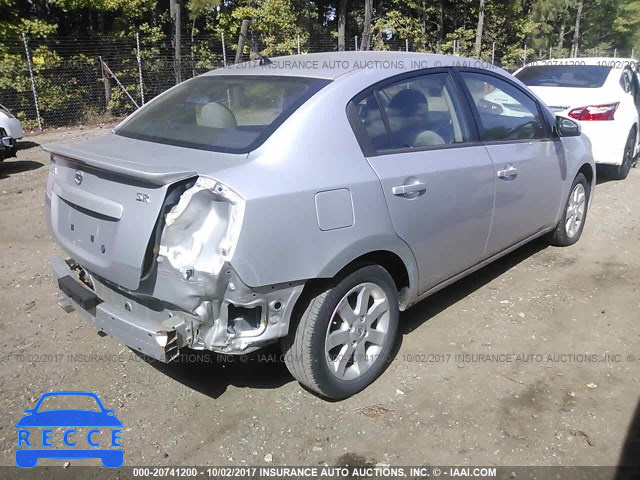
(64, 393)
(331, 65)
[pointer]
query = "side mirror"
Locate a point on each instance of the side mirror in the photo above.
(6, 142)
(566, 127)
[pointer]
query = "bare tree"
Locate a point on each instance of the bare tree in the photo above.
(563, 25)
(366, 29)
(244, 28)
(342, 24)
(479, 29)
(576, 32)
(175, 11)
(441, 22)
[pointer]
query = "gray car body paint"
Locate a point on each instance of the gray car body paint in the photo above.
(312, 204)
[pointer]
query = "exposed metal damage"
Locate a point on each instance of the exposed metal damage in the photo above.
(191, 296)
(201, 231)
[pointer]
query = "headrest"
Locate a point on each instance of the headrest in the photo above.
(215, 115)
(409, 101)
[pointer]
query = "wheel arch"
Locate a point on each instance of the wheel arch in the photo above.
(588, 171)
(398, 261)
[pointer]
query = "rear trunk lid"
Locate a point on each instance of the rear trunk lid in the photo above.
(107, 195)
(560, 99)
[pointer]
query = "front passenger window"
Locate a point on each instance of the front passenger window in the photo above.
(506, 113)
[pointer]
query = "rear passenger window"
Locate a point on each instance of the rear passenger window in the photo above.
(506, 113)
(423, 112)
(371, 118)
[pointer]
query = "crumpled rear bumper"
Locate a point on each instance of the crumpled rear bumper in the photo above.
(158, 334)
(232, 318)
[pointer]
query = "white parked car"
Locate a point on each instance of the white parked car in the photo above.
(602, 94)
(10, 132)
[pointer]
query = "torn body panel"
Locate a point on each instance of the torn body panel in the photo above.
(236, 319)
(190, 296)
(200, 232)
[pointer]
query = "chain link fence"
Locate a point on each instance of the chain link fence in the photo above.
(56, 82)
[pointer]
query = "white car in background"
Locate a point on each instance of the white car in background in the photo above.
(602, 95)
(10, 132)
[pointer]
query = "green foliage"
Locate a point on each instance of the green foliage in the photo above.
(202, 7)
(69, 80)
(276, 23)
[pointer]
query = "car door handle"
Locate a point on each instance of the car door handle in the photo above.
(508, 172)
(409, 188)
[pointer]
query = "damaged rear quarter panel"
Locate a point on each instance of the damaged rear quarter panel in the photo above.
(229, 266)
(281, 240)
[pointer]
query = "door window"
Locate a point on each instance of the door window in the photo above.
(371, 117)
(418, 112)
(423, 112)
(506, 113)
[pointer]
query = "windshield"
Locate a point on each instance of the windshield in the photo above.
(221, 113)
(65, 402)
(573, 76)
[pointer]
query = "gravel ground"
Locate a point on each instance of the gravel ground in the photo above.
(560, 389)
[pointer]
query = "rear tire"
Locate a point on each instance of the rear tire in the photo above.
(620, 172)
(569, 229)
(345, 335)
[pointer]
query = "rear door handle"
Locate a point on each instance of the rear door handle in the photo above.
(401, 190)
(509, 172)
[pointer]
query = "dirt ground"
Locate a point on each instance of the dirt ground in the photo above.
(560, 389)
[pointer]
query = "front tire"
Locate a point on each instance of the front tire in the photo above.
(569, 229)
(345, 335)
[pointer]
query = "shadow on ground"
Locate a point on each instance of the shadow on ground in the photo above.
(211, 374)
(436, 303)
(26, 144)
(603, 174)
(630, 455)
(9, 167)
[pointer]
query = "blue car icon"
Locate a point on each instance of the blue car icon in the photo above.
(71, 419)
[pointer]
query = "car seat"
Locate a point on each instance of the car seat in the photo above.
(216, 115)
(408, 114)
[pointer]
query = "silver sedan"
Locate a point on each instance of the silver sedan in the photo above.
(307, 200)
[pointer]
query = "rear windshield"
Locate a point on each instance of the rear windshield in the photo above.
(575, 76)
(221, 113)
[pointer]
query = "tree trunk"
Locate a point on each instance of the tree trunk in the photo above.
(423, 25)
(561, 36)
(107, 87)
(479, 29)
(342, 24)
(244, 28)
(563, 26)
(576, 32)
(176, 15)
(366, 29)
(193, 57)
(441, 23)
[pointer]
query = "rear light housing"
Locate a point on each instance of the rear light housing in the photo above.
(595, 112)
